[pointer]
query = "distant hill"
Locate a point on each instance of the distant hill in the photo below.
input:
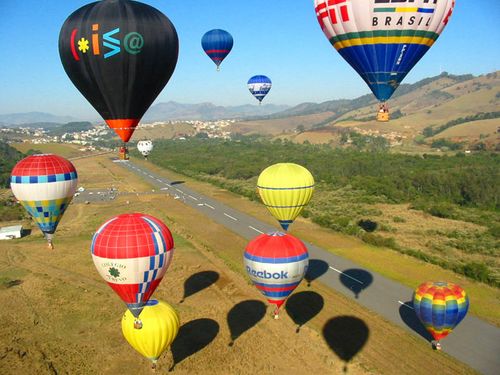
(71, 127)
(206, 111)
(422, 109)
(34, 119)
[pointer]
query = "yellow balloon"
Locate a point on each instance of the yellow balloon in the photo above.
(160, 325)
(285, 189)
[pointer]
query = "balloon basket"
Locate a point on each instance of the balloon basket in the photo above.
(137, 324)
(123, 153)
(383, 116)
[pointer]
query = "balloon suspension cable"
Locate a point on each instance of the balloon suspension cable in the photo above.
(137, 323)
(276, 313)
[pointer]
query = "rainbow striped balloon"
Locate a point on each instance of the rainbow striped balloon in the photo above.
(440, 306)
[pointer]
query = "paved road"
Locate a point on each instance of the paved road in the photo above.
(473, 342)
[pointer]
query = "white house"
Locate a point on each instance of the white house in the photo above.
(8, 233)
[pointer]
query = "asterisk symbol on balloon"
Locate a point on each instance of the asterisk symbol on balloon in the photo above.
(83, 45)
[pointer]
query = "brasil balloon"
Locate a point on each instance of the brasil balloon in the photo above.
(383, 39)
(145, 147)
(160, 325)
(285, 189)
(276, 263)
(259, 86)
(44, 184)
(440, 306)
(119, 54)
(132, 252)
(217, 44)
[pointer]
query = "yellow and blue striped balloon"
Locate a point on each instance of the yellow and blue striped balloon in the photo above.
(285, 189)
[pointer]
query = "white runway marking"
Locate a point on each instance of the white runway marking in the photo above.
(255, 229)
(190, 196)
(336, 270)
(180, 191)
(159, 180)
(231, 217)
(206, 204)
(404, 304)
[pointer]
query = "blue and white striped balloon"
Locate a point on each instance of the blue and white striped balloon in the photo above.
(259, 86)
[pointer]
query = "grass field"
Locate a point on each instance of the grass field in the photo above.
(63, 318)
(402, 268)
(63, 149)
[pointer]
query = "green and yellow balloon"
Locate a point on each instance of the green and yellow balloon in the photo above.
(285, 189)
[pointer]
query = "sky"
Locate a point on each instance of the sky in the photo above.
(277, 38)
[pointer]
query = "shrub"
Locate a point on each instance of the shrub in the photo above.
(368, 225)
(399, 219)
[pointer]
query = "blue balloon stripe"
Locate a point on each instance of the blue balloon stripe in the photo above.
(261, 259)
(44, 179)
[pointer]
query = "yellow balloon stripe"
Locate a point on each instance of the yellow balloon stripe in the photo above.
(383, 40)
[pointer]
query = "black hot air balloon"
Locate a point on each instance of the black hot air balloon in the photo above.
(119, 54)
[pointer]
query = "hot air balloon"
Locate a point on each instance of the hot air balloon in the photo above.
(217, 44)
(383, 39)
(160, 325)
(276, 263)
(132, 252)
(119, 54)
(259, 86)
(285, 189)
(440, 306)
(44, 184)
(145, 147)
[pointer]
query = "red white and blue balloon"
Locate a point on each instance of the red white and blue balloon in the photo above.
(132, 252)
(276, 263)
(44, 184)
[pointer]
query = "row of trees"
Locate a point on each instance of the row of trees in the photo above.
(467, 181)
(9, 156)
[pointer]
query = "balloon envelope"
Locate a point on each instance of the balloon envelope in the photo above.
(259, 86)
(160, 325)
(145, 147)
(285, 189)
(132, 252)
(383, 39)
(44, 184)
(119, 54)
(440, 306)
(217, 44)
(276, 263)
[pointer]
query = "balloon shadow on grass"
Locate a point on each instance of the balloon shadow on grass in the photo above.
(180, 182)
(192, 337)
(409, 317)
(243, 316)
(304, 306)
(346, 336)
(198, 282)
(356, 280)
(315, 269)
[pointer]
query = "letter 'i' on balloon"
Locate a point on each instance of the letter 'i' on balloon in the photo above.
(285, 189)
(160, 325)
(383, 40)
(217, 44)
(440, 306)
(45, 185)
(259, 86)
(276, 263)
(132, 252)
(119, 54)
